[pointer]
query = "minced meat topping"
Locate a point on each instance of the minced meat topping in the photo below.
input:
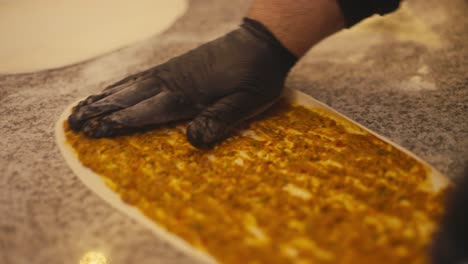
(296, 185)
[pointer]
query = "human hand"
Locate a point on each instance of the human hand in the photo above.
(219, 84)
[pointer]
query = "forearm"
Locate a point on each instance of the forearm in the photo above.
(298, 24)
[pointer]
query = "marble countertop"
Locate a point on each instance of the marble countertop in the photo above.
(406, 79)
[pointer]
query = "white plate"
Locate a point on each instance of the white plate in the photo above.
(97, 185)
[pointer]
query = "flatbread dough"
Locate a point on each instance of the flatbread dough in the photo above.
(38, 35)
(94, 182)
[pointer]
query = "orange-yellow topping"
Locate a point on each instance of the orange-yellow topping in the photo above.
(298, 185)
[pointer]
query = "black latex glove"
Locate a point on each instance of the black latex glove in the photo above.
(219, 84)
(451, 241)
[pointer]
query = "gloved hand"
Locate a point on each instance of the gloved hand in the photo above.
(219, 84)
(450, 245)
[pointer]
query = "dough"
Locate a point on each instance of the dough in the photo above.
(38, 35)
(100, 185)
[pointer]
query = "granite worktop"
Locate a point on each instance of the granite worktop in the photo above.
(405, 78)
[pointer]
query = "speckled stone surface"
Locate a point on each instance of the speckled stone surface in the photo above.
(407, 80)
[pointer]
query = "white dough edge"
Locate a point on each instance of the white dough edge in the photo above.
(96, 183)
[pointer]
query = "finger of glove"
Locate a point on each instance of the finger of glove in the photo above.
(161, 109)
(215, 123)
(94, 98)
(119, 100)
(116, 87)
(131, 79)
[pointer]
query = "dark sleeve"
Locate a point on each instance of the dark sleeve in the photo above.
(356, 10)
